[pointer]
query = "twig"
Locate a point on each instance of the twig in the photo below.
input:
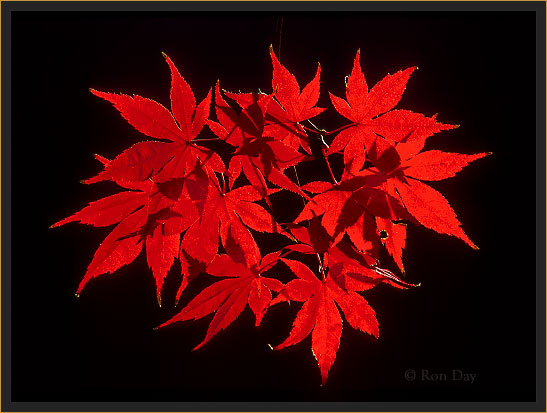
(328, 165)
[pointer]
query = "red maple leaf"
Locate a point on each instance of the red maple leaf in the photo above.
(154, 213)
(292, 106)
(348, 207)
(259, 156)
(402, 166)
(320, 316)
(344, 262)
(363, 108)
(357, 271)
(232, 211)
(179, 127)
(227, 298)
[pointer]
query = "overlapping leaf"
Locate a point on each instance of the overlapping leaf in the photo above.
(155, 214)
(178, 127)
(400, 166)
(371, 114)
(319, 314)
(258, 155)
(349, 207)
(227, 211)
(292, 106)
(227, 298)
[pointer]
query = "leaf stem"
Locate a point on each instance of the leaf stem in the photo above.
(206, 139)
(340, 129)
(298, 183)
(326, 132)
(325, 144)
(328, 165)
(309, 129)
(223, 184)
(321, 266)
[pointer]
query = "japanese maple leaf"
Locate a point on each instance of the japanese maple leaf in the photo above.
(154, 213)
(371, 115)
(357, 271)
(132, 209)
(320, 316)
(257, 155)
(292, 106)
(349, 206)
(404, 170)
(176, 130)
(346, 265)
(235, 209)
(227, 298)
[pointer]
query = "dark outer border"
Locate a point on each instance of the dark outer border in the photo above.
(538, 7)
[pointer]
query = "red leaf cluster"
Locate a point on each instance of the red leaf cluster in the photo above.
(181, 202)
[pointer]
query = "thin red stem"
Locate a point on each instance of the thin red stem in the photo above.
(311, 130)
(223, 184)
(321, 266)
(298, 183)
(205, 139)
(340, 129)
(327, 133)
(328, 165)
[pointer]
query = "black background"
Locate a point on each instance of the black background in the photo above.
(475, 310)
